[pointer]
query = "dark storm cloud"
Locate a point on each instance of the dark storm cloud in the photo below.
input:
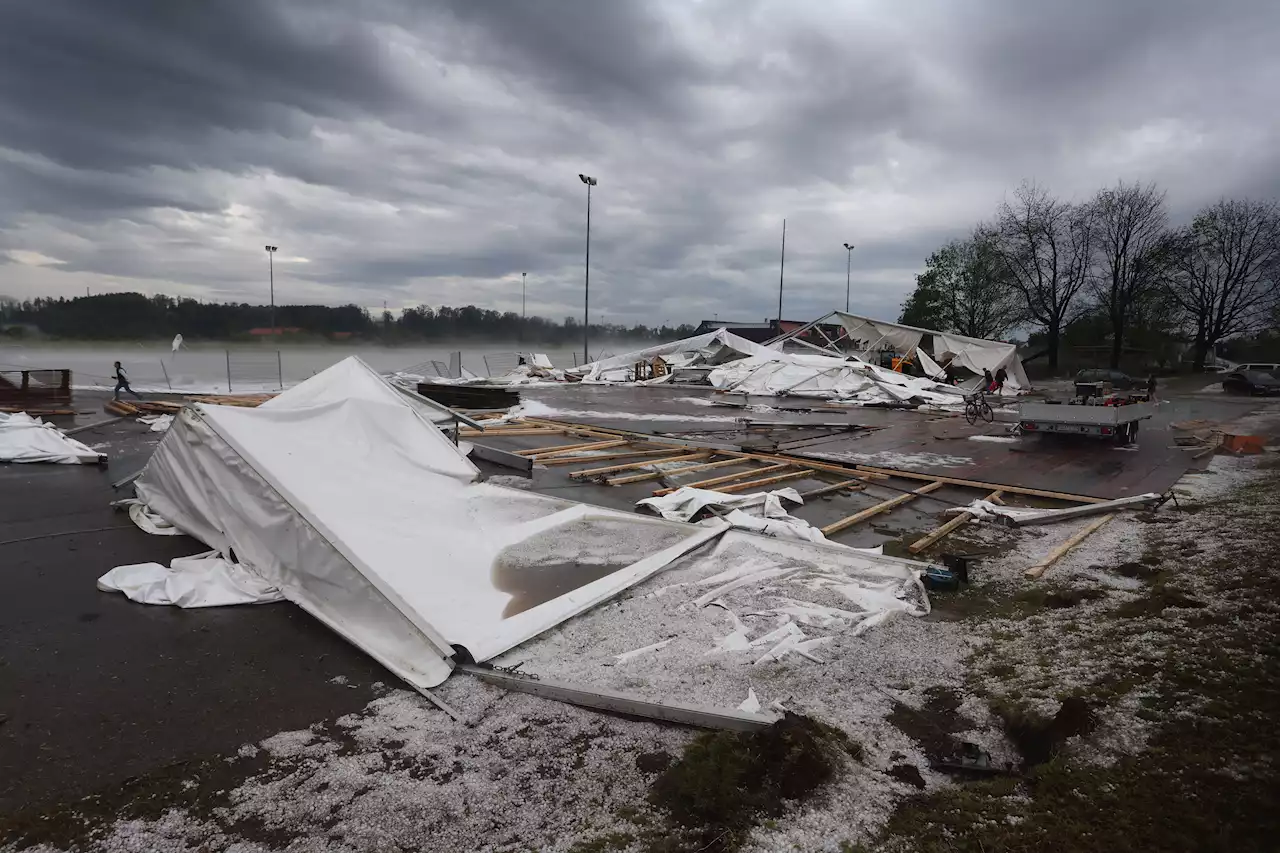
(119, 83)
(429, 152)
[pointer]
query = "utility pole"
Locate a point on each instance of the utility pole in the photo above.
(586, 286)
(782, 268)
(271, 271)
(848, 273)
(522, 305)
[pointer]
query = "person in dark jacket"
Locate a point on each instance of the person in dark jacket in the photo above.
(1002, 376)
(1151, 387)
(988, 381)
(122, 383)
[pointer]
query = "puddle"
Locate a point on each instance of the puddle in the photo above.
(562, 559)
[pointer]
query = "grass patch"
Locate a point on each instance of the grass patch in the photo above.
(1207, 779)
(727, 782)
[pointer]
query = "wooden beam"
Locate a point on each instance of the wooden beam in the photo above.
(569, 448)
(687, 469)
(499, 433)
(728, 478)
(959, 521)
(975, 484)
(1058, 553)
(767, 481)
(819, 465)
(594, 472)
(578, 460)
(846, 485)
(885, 506)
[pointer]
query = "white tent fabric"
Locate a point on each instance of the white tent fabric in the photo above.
(27, 439)
(352, 503)
(979, 355)
(712, 348)
(866, 334)
(973, 353)
(203, 580)
(852, 382)
(930, 367)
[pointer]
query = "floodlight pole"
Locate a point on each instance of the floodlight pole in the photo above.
(586, 285)
(271, 272)
(848, 274)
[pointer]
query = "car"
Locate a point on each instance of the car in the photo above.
(1119, 380)
(1250, 382)
(1257, 367)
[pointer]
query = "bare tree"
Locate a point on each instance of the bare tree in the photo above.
(1225, 282)
(1046, 248)
(963, 290)
(1136, 252)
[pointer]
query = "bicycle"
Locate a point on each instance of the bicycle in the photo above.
(976, 406)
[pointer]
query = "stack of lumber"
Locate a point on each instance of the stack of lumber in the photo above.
(126, 408)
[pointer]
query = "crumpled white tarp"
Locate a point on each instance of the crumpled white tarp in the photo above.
(760, 512)
(342, 493)
(685, 503)
(158, 423)
(851, 382)
(27, 439)
(202, 580)
(147, 521)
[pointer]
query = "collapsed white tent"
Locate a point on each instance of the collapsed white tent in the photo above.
(344, 496)
(848, 381)
(865, 335)
(27, 439)
(711, 349)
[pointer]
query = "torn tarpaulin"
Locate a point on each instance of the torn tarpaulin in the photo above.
(202, 580)
(27, 439)
(761, 512)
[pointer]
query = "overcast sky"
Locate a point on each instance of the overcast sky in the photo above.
(424, 152)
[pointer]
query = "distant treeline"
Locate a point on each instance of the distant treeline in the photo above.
(133, 316)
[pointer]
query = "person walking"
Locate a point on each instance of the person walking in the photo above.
(1151, 388)
(122, 383)
(1002, 376)
(988, 381)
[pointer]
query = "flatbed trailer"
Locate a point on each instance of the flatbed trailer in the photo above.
(1117, 422)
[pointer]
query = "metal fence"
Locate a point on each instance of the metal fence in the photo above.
(251, 370)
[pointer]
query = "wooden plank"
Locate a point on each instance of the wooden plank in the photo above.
(493, 433)
(728, 478)
(539, 452)
(600, 698)
(846, 485)
(816, 464)
(593, 472)
(856, 518)
(975, 484)
(687, 469)
(605, 457)
(1058, 553)
(959, 521)
(767, 481)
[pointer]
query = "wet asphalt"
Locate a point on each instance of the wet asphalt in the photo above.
(94, 689)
